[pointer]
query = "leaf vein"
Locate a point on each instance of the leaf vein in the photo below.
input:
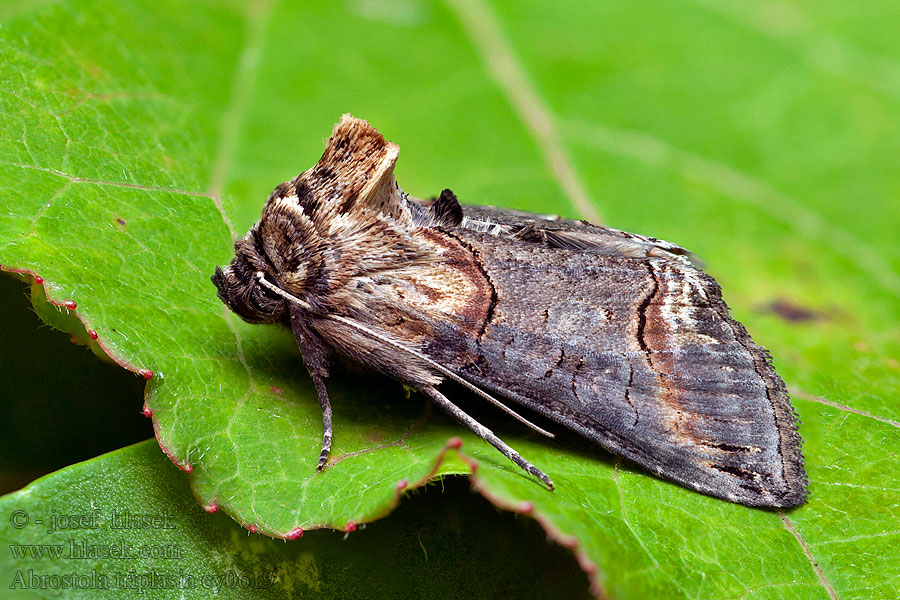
(135, 186)
(242, 86)
(496, 52)
(823, 580)
(844, 407)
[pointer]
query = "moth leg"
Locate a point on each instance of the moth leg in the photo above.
(486, 434)
(316, 359)
(327, 427)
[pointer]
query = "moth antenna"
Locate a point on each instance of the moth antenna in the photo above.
(486, 434)
(444, 370)
(398, 346)
(261, 277)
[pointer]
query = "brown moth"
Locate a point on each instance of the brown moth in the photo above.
(616, 336)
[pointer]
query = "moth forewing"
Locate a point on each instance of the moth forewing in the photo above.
(616, 336)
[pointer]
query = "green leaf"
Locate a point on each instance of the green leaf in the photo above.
(138, 137)
(125, 525)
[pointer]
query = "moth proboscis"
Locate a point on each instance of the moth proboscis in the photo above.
(616, 336)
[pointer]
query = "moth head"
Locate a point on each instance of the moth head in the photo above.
(239, 287)
(310, 222)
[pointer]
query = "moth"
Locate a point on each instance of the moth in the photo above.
(615, 336)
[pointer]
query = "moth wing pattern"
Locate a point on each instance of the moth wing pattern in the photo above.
(623, 339)
(639, 355)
